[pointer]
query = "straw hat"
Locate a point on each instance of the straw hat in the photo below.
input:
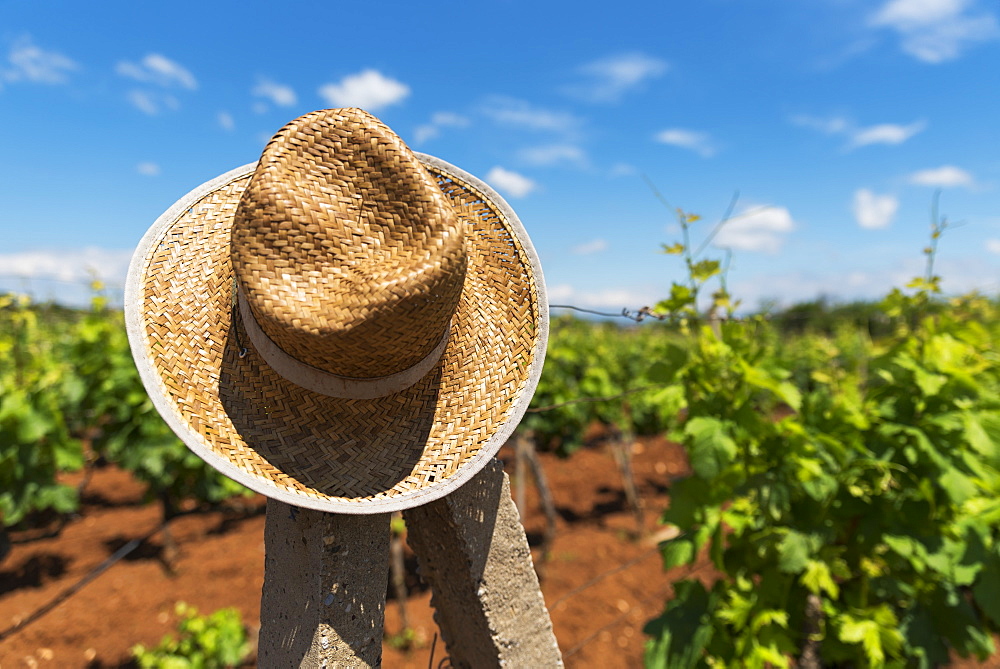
(345, 325)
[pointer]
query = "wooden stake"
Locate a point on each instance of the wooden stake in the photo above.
(520, 475)
(544, 495)
(621, 449)
(397, 570)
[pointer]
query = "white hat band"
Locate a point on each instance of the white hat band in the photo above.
(328, 384)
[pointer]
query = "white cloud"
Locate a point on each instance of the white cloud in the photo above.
(511, 183)
(857, 137)
(449, 119)
(152, 102)
(756, 229)
(65, 275)
(511, 111)
(279, 94)
(370, 90)
(590, 248)
(159, 70)
(885, 133)
(554, 154)
(31, 63)
(438, 120)
(874, 211)
(226, 121)
(788, 288)
(560, 292)
(143, 101)
(848, 52)
(993, 245)
(67, 265)
(828, 126)
(699, 142)
(918, 12)
(960, 275)
(935, 31)
(946, 176)
(424, 133)
(622, 170)
(148, 169)
(609, 79)
(161, 74)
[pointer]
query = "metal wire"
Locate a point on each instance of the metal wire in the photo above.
(637, 316)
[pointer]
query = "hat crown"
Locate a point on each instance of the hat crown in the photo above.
(349, 256)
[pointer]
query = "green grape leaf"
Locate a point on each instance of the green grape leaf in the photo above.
(710, 448)
(986, 589)
(704, 270)
(677, 552)
(664, 369)
(680, 298)
(957, 485)
(929, 383)
(679, 636)
(975, 431)
(793, 552)
(818, 579)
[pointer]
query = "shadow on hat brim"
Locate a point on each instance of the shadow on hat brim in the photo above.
(314, 451)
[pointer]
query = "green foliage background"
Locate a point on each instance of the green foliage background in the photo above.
(215, 641)
(845, 461)
(863, 473)
(70, 396)
(844, 482)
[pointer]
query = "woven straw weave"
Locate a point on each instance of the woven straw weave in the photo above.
(351, 259)
(341, 451)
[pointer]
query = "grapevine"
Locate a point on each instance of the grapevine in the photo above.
(69, 395)
(844, 490)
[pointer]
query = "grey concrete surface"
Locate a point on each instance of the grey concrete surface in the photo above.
(473, 551)
(325, 576)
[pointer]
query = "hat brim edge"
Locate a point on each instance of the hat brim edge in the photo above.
(134, 286)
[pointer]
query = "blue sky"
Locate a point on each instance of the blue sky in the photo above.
(835, 121)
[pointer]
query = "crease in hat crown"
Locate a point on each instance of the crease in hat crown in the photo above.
(347, 255)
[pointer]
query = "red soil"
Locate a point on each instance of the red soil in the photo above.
(601, 584)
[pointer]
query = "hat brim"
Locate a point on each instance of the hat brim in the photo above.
(319, 452)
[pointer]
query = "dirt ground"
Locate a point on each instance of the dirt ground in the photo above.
(601, 582)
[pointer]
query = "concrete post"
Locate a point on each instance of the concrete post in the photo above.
(474, 554)
(325, 577)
